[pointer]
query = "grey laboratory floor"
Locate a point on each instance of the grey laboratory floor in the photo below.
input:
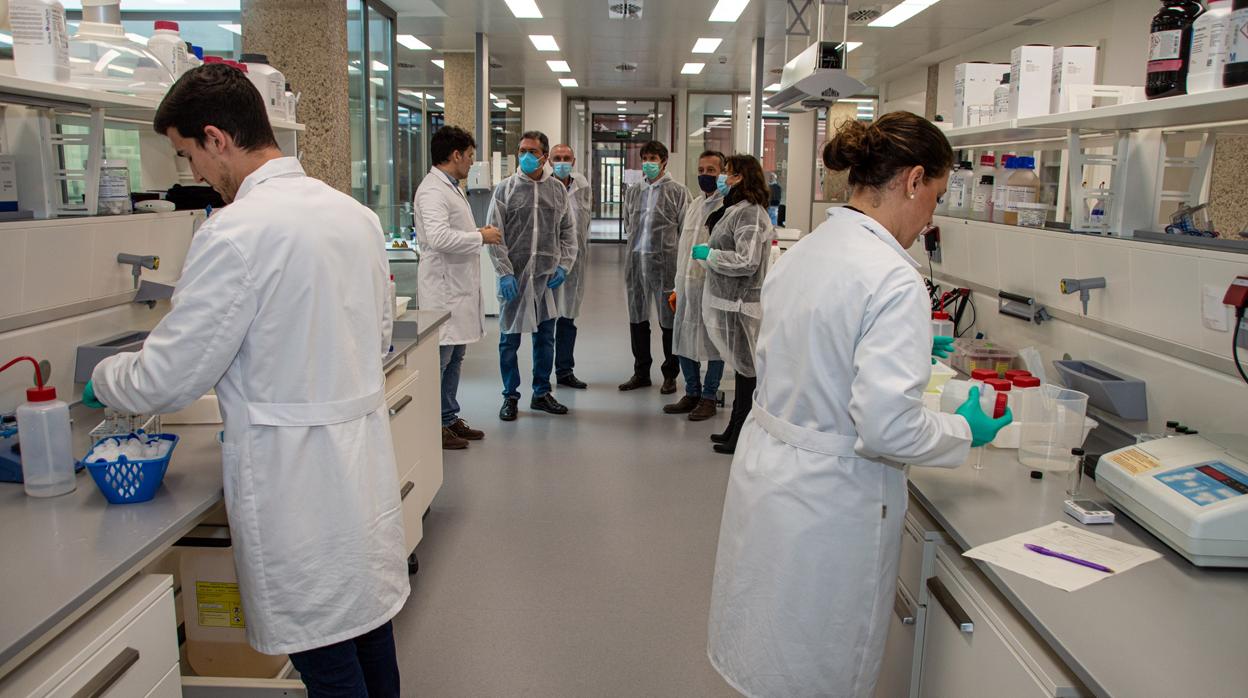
(570, 555)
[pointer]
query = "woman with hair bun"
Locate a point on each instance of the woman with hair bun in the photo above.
(809, 544)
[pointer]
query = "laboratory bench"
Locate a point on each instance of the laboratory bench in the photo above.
(966, 628)
(85, 603)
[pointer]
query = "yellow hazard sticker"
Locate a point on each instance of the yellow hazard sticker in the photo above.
(219, 605)
(1135, 461)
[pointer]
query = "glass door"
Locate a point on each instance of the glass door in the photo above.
(371, 103)
(608, 135)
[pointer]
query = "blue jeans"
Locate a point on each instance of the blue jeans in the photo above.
(543, 360)
(694, 386)
(452, 358)
(364, 667)
(565, 344)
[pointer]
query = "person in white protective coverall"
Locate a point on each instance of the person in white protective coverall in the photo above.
(690, 342)
(735, 258)
(450, 262)
(539, 248)
(284, 308)
(809, 543)
(652, 218)
(570, 295)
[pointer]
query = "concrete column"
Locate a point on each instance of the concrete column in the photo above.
(543, 111)
(481, 95)
(800, 188)
(307, 41)
(1227, 194)
(835, 185)
(757, 74)
(933, 90)
(459, 79)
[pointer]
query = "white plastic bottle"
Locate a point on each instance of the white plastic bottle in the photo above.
(942, 204)
(44, 434)
(956, 393)
(166, 44)
(1210, 34)
(269, 81)
(1001, 100)
(40, 40)
(292, 101)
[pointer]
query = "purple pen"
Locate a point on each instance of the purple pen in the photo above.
(1068, 558)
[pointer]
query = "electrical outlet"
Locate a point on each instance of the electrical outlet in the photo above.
(1215, 314)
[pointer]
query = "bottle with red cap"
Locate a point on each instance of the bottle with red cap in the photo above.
(167, 45)
(44, 434)
(942, 326)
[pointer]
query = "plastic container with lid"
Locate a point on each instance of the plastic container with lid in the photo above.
(208, 60)
(40, 40)
(269, 81)
(1021, 187)
(984, 374)
(44, 434)
(970, 354)
(1032, 215)
(1016, 373)
(1169, 48)
(1002, 387)
(1209, 51)
(942, 326)
(999, 175)
(114, 196)
(1236, 71)
(166, 44)
(101, 57)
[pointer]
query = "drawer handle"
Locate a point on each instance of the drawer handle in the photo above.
(400, 405)
(951, 606)
(902, 609)
(109, 675)
(407, 489)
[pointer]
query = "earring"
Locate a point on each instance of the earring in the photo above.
(912, 196)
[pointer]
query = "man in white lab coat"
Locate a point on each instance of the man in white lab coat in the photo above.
(571, 294)
(284, 307)
(450, 267)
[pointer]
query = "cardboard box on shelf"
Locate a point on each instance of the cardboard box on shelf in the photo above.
(1031, 80)
(973, 85)
(1072, 65)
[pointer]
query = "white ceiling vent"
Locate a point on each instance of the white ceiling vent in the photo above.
(626, 67)
(865, 15)
(624, 9)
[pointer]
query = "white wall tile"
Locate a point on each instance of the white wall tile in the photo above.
(982, 246)
(170, 239)
(1054, 261)
(107, 240)
(1110, 260)
(953, 254)
(1165, 299)
(58, 263)
(1016, 260)
(12, 270)
(54, 342)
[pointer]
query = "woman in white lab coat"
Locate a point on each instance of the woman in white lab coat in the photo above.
(809, 543)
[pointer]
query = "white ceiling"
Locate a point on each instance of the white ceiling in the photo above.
(661, 41)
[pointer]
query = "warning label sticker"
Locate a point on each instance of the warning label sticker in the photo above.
(1135, 461)
(219, 605)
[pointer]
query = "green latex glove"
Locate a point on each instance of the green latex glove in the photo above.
(88, 397)
(983, 428)
(701, 251)
(942, 347)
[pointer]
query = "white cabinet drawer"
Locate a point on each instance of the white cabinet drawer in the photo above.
(920, 536)
(169, 687)
(976, 645)
(899, 649)
(121, 648)
(227, 687)
(405, 423)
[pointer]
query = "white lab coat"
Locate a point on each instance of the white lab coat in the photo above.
(450, 259)
(570, 295)
(811, 531)
(284, 308)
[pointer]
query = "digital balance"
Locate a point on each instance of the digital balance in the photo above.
(1189, 491)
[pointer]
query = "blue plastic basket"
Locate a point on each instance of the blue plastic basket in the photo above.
(125, 481)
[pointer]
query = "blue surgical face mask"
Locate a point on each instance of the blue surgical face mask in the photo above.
(562, 169)
(722, 185)
(529, 163)
(651, 170)
(707, 183)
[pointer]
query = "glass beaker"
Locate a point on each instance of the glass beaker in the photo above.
(1054, 424)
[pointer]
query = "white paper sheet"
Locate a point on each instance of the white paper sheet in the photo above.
(1010, 554)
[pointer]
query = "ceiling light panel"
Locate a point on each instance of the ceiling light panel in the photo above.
(544, 42)
(851, 45)
(773, 87)
(411, 43)
(568, 82)
(439, 62)
(692, 69)
(232, 28)
(524, 9)
(559, 66)
(902, 12)
(705, 45)
(728, 10)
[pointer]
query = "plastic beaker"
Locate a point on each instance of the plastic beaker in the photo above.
(1053, 425)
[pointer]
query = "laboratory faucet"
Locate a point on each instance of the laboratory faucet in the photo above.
(138, 263)
(1083, 286)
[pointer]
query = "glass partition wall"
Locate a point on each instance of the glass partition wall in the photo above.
(372, 107)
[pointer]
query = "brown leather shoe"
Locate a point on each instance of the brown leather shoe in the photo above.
(636, 382)
(464, 431)
(684, 406)
(668, 387)
(451, 442)
(704, 411)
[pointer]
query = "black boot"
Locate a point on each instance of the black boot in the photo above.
(742, 401)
